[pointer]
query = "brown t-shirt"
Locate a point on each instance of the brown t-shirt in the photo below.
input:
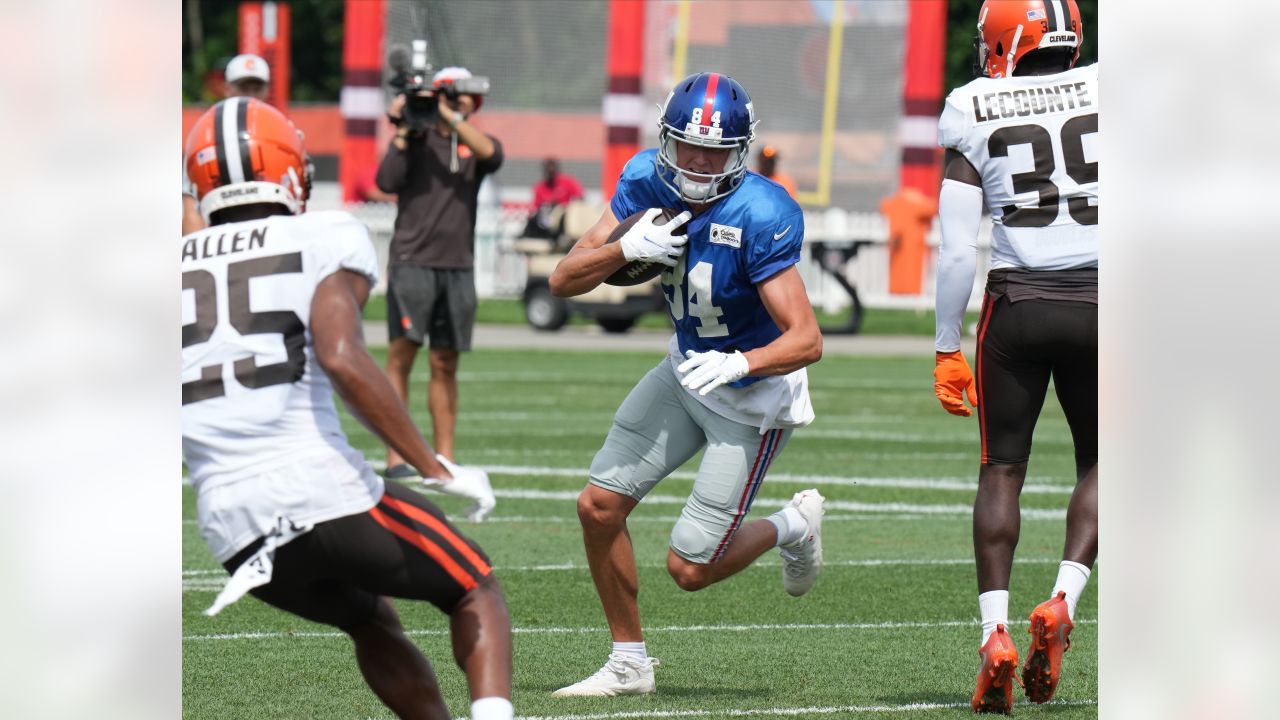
(436, 208)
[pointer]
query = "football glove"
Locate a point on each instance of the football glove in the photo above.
(952, 380)
(467, 482)
(655, 243)
(711, 369)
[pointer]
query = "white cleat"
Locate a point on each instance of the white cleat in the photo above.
(802, 560)
(621, 675)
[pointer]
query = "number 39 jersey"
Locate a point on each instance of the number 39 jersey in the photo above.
(1034, 140)
(736, 243)
(260, 433)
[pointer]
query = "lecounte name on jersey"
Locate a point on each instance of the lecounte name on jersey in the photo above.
(1031, 101)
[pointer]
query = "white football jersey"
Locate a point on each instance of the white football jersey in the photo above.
(260, 433)
(1034, 140)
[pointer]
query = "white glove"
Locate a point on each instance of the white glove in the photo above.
(712, 369)
(655, 243)
(468, 482)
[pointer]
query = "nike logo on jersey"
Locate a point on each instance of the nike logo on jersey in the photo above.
(778, 236)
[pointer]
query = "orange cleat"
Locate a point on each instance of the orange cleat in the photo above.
(994, 693)
(1050, 637)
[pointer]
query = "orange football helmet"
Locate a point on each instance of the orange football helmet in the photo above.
(1009, 29)
(242, 151)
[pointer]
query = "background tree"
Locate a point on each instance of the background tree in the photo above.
(211, 36)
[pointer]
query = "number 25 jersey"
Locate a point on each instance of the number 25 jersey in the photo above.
(1034, 141)
(260, 433)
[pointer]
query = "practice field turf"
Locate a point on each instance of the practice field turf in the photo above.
(890, 630)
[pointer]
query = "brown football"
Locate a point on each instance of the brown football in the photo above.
(637, 271)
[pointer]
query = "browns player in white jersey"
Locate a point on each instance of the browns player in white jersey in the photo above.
(1023, 139)
(271, 307)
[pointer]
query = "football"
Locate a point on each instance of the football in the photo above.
(637, 271)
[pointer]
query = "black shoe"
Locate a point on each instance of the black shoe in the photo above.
(399, 472)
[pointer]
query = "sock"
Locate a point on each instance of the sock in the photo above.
(1072, 577)
(631, 649)
(994, 605)
(492, 708)
(790, 525)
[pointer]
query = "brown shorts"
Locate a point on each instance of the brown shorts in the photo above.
(402, 547)
(1020, 346)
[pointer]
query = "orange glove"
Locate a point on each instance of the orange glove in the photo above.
(952, 378)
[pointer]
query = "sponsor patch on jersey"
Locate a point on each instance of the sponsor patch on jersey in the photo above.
(1037, 14)
(705, 131)
(726, 235)
(206, 155)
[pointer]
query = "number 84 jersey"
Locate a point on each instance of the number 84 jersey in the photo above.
(253, 394)
(1034, 141)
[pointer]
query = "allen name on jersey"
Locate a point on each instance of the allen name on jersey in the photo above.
(216, 241)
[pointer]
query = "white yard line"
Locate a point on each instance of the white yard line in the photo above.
(914, 483)
(789, 627)
(565, 519)
(777, 711)
(212, 580)
(892, 562)
(893, 507)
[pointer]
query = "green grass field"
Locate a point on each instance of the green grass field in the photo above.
(890, 630)
(502, 311)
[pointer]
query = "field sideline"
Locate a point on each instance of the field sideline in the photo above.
(890, 630)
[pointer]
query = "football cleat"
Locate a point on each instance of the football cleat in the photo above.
(802, 560)
(621, 675)
(1050, 637)
(994, 693)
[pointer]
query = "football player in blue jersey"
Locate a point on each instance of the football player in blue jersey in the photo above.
(734, 383)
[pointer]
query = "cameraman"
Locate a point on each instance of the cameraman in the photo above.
(431, 294)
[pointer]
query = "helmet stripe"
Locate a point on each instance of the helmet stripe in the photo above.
(219, 152)
(709, 102)
(242, 137)
(228, 143)
(1060, 21)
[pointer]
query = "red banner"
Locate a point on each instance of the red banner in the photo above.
(922, 96)
(264, 31)
(624, 61)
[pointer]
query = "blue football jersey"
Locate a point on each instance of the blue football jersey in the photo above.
(743, 239)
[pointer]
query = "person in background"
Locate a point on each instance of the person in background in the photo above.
(555, 189)
(767, 165)
(431, 290)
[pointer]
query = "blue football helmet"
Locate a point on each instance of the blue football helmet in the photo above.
(711, 110)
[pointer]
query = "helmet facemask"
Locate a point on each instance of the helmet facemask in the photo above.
(698, 187)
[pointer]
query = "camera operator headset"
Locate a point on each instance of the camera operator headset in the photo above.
(434, 165)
